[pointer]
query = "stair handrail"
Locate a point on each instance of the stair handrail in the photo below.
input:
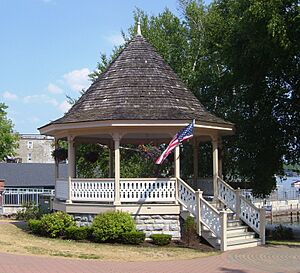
(227, 194)
(202, 207)
(253, 216)
(186, 196)
(186, 185)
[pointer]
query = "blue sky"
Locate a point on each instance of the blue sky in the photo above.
(48, 47)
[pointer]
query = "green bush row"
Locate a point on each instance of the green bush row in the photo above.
(51, 225)
(107, 227)
(161, 239)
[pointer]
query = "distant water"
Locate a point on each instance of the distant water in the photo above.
(284, 186)
(286, 183)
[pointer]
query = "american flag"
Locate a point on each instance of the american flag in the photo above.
(184, 134)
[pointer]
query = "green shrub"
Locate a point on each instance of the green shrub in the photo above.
(282, 233)
(189, 230)
(55, 224)
(29, 211)
(35, 226)
(161, 239)
(110, 226)
(77, 233)
(133, 238)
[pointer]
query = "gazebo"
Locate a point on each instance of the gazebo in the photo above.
(138, 98)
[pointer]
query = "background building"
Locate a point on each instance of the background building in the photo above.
(35, 149)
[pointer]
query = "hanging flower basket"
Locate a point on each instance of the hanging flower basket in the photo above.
(60, 154)
(91, 157)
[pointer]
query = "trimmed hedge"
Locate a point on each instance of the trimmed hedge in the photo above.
(133, 238)
(282, 233)
(77, 233)
(189, 230)
(109, 226)
(35, 226)
(161, 239)
(55, 224)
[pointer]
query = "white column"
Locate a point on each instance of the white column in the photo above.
(198, 194)
(71, 157)
(56, 161)
(71, 166)
(223, 219)
(110, 163)
(195, 160)
(117, 138)
(215, 165)
(177, 161)
(220, 171)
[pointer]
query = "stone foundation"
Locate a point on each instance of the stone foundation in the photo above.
(158, 224)
(149, 224)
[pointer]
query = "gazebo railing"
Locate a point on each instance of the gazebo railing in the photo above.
(132, 190)
(148, 190)
(101, 190)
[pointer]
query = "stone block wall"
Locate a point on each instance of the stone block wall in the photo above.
(158, 224)
(149, 224)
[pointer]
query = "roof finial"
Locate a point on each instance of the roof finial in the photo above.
(139, 28)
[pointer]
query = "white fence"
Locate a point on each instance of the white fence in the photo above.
(21, 196)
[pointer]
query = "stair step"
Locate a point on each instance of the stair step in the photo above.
(234, 223)
(236, 230)
(239, 237)
(243, 244)
(241, 234)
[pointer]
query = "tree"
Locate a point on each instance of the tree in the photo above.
(8, 139)
(256, 46)
(241, 59)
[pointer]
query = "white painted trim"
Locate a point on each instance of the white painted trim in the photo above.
(131, 123)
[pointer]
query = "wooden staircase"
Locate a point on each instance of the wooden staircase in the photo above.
(238, 235)
(240, 225)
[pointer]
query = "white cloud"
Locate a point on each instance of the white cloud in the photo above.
(54, 89)
(77, 79)
(115, 39)
(9, 96)
(40, 99)
(64, 106)
(33, 119)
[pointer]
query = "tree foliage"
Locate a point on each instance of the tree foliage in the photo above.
(241, 59)
(8, 139)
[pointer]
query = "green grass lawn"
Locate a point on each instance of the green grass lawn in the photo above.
(287, 243)
(15, 239)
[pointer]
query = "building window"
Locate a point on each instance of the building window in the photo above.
(29, 157)
(30, 144)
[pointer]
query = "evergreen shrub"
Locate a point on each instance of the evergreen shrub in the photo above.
(35, 226)
(55, 224)
(133, 238)
(161, 239)
(189, 230)
(109, 226)
(282, 233)
(77, 233)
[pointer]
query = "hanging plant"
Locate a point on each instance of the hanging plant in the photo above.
(91, 157)
(60, 154)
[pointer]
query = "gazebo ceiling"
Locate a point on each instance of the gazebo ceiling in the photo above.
(137, 86)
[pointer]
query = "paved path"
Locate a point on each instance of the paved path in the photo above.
(275, 259)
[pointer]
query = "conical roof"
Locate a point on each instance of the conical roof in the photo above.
(138, 85)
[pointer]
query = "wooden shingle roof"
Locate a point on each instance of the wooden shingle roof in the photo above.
(138, 85)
